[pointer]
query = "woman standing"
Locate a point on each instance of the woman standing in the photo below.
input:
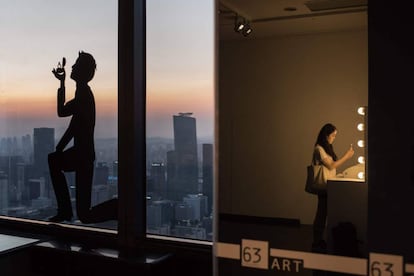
(324, 154)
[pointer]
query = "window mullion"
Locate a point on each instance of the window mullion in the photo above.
(132, 77)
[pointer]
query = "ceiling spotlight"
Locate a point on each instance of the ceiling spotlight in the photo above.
(239, 24)
(239, 27)
(246, 30)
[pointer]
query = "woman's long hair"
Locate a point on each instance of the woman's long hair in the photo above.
(322, 140)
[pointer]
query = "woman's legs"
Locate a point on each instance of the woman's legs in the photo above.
(319, 222)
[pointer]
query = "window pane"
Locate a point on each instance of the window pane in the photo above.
(180, 118)
(36, 35)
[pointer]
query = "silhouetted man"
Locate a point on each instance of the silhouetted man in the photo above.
(81, 156)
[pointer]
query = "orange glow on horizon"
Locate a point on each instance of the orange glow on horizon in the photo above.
(38, 104)
(171, 98)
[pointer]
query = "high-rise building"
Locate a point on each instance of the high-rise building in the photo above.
(183, 212)
(159, 185)
(27, 149)
(208, 175)
(154, 214)
(99, 194)
(185, 134)
(9, 165)
(182, 163)
(43, 144)
(4, 194)
(37, 188)
(101, 174)
(160, 213)
(198, 204)
(20, 181)
(115, 169)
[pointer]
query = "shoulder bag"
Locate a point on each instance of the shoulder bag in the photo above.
(316, 179)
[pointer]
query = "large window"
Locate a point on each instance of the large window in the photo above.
(35, 37)
(179, 112)
(180, 118)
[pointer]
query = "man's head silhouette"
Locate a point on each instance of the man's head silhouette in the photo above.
(84, 68)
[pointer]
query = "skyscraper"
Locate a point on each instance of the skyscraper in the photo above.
(101, 174)
(9, 165)
(43, 144)
(159, 187)
(182, 164)
(4, 193)
(208, 174)
(198, 204)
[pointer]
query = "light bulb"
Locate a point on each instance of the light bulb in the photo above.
(360, 143)
(361, 175)
(360, 127)
(361, 160)
(361, 110)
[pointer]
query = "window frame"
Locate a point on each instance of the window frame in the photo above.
(132, 102)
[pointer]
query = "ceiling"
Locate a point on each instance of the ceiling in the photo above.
(290, 17)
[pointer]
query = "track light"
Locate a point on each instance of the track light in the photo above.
(241, 25)
(238, 27)
(246, 30)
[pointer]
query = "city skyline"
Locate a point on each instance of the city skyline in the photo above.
(179, 179)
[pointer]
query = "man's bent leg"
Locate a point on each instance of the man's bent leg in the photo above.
(58, 162)
(104, 211)
(84, 178)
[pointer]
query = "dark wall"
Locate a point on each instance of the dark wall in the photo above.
(390, 129)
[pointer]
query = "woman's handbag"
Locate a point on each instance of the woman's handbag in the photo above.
(316, 179)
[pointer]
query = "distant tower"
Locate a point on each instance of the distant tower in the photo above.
(101, 174)
(159, 185)
(4, 193)
(198, 204)
(27, 148)
(43, 144)
(9, 165)
(183, 178)
(208, 174)
(115, 169)
(20, 181)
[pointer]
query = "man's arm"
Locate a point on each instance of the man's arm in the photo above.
(60, 73)
(64, 110)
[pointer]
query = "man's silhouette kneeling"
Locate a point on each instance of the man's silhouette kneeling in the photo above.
(80, 157)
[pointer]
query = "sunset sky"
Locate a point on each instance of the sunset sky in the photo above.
(36, 34)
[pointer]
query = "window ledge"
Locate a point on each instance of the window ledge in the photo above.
(71, 258)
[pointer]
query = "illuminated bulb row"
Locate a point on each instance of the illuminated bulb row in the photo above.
(361, 143)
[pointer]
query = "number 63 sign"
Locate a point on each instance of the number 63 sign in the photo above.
(255, 254)
(385, 265)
